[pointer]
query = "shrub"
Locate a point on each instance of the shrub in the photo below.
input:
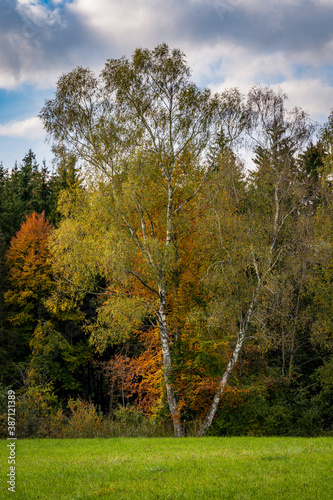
(84, 421)
(35, 405)
(242, 412)
(130, 422)
(276, 407)
(3, 399)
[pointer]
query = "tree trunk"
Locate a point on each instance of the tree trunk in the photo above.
(213, 408)
(111, 398)
(283, 354)
(238, 347)
(167, 365)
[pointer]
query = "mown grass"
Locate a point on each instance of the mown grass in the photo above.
(171, 469)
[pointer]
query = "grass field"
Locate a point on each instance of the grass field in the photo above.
(171, 469)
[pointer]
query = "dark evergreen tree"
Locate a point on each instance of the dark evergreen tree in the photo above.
(7, 342)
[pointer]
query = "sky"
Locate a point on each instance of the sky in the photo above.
(228, 43)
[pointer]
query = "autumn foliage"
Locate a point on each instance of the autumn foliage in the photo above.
(175, 285)
(30, 272)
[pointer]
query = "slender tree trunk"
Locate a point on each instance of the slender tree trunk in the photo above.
(122, 385)
(111, 398)
(283, 354)
(238, 347)
(162, 323)
(167, 365)
(293, 338)
(213, 408)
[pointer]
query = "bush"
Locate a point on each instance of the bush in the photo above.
(83, 422)
(35, 406)
(3, 399)
(275, 408)
(242, 412)
(37, 415)
(3, 412)
(322, 401)
(131, 422)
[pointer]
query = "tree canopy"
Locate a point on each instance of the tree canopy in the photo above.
(173, 278)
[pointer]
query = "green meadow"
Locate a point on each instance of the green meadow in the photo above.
(171, 469)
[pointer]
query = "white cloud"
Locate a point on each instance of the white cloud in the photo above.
(39, 42)
(311, 94)
(227, 42)
(127, 24)
(30, 128)
(264, 5)
(227, 65)
(32, 11)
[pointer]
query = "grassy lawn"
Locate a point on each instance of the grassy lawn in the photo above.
(166, 468)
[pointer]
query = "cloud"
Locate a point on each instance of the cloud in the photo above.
(228, 42)
(311, 94)
(227, 65)
(37, 14)
(40, 39)
(289, 25)
(284, 31)
(30, 128)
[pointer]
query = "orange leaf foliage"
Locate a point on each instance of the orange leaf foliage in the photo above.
(30, 272)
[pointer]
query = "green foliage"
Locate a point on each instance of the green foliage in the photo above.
(162, 168)
(35, 406)
(83, 421)
(8, 338)
(322, 401)
(276, 408)
(3, 399)
(116, 320)
(89, 242)
(53, 358)
(130, 422)
(206, 276)
(29, 282)
(27, 188)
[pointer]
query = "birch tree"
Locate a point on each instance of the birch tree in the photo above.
(251, 227)
(151, 137)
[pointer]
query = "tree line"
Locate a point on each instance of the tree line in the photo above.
(156, 271)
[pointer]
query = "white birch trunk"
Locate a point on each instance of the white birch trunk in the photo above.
(233, 360)
(167, 365)
(213, 408)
